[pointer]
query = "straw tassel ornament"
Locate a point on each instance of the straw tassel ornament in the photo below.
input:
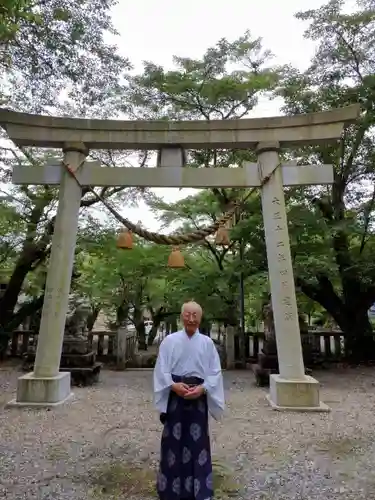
(125, 240)
(222, 236)
(176, 259)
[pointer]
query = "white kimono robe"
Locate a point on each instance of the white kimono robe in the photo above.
(194, 356)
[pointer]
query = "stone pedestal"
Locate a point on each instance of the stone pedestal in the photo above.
(80, 361)
(295, 395)
(77, 359)
(33, 391)
(267, 365)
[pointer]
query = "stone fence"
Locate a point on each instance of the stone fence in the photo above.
(107, 345)
(111, 347)
(326, 345)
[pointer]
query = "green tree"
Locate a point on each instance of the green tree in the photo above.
(12, 12)
(206, 88)
(58, 64)
(214, 274)
(123, 283)
(59, 46)
(341, 73)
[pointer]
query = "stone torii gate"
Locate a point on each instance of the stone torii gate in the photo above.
(291, 389)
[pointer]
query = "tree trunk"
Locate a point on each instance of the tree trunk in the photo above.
(218, 326)
(35, 319)
(31, 256)
(155, 328)
(205, 327)
(25, 311)
(93, 317)
(157, 317)
(173, 323)
(9, 300)
(153, 332)
(350, 310)
(351, 316)
(122, 313)
(141, 332)
(359, 336)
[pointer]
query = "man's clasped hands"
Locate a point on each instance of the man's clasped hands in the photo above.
(187, 392)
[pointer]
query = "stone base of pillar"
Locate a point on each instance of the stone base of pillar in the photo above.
(295, 395)
(42, 392)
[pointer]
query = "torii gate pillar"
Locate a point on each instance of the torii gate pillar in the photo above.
(46, 385)
(291, 389)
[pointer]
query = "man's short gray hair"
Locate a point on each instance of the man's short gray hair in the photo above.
(192, 305)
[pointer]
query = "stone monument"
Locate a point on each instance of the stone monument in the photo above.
(77, 356)
(291, 389)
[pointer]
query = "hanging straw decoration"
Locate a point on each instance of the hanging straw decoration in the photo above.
(222, 236)
(125, 240)
(176, 259)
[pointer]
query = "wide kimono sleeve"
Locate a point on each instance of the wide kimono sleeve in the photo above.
(213, 383)
(162, 376)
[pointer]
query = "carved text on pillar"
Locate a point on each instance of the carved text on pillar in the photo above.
(284, 273)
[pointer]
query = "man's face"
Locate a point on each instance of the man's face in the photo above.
(191, 319)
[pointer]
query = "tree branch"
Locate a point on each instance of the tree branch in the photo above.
(324, 294)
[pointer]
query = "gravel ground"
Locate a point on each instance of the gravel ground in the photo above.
(57, 454)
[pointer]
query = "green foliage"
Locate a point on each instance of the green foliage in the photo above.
(337, 269)
(341, 73)
(11, 226)
(12, 13)
(205, 87)
(58, 46)
(110, 276)
(141, 279)
(225, 83)
(55, 60)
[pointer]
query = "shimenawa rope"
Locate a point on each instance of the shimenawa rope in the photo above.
(177, 239)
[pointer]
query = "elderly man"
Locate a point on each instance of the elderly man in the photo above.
(188, 385)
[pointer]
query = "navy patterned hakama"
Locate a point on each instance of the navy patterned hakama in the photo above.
(185, 464)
